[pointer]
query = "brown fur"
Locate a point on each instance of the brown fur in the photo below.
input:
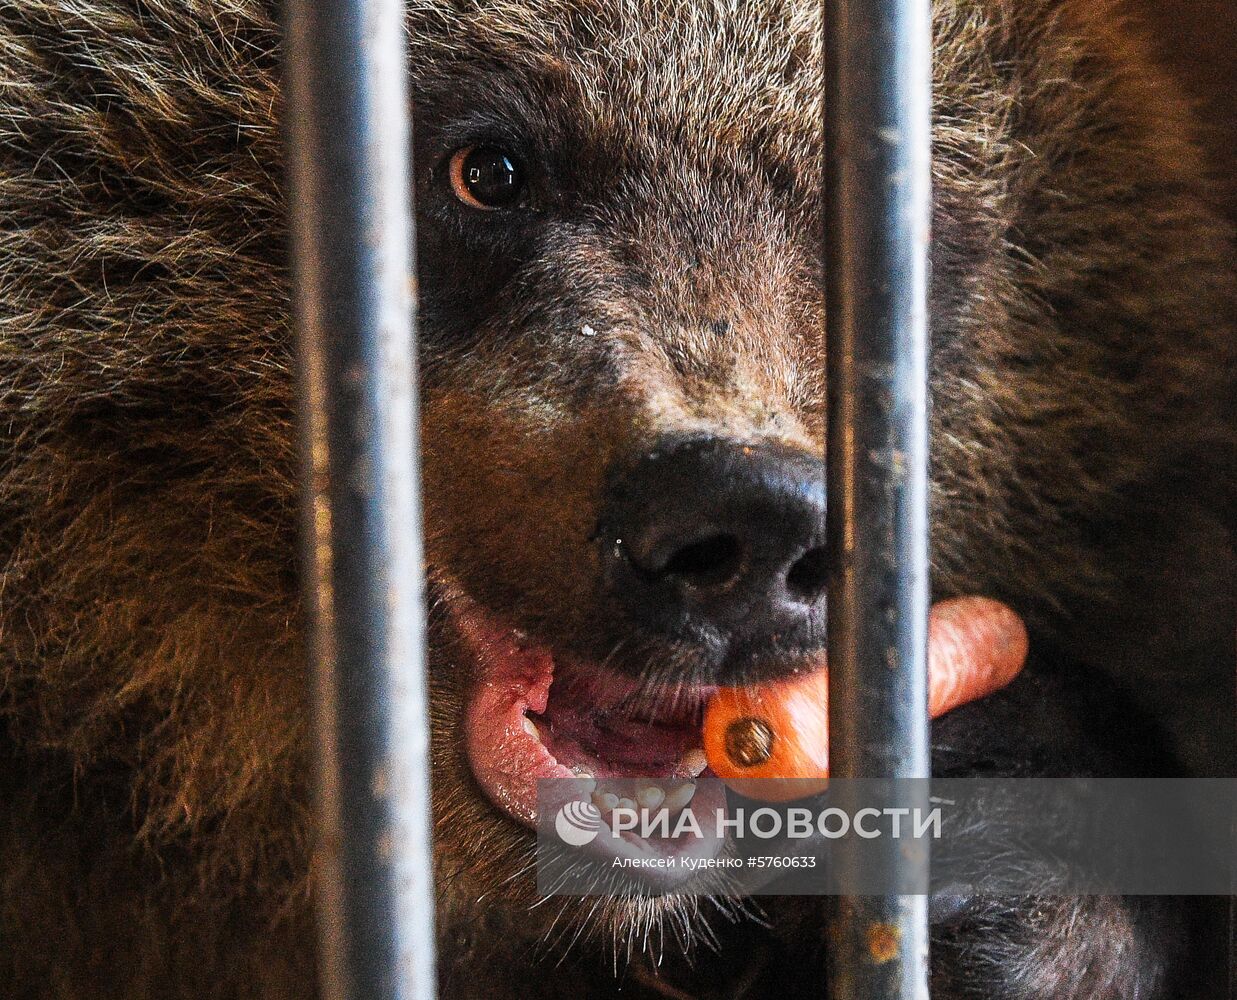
(152, 708)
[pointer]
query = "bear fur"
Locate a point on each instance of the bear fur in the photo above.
(155, 816)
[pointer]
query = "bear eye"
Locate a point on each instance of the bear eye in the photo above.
(486, 177)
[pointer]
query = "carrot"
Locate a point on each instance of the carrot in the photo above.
(975, 646)
(758, 734)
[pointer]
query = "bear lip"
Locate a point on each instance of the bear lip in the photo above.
(590, 725)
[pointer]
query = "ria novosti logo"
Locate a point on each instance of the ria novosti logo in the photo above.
(578, 823)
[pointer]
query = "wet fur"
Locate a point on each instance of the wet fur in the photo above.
(154, 835)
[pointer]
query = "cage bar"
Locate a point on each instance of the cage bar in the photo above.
(352, 242)
(877, 193)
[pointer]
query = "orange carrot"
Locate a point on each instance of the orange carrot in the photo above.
(758, 734)
(975, 646)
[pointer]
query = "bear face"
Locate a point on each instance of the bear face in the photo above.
(658, 278)
(650, 275)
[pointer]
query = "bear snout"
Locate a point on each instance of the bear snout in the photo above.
(720, 543)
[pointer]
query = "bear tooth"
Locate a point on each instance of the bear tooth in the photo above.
(677, 798)
(530, 727)
(605, 801)
(626, 803)
(650, 796)
(587, 782)
(694, 762)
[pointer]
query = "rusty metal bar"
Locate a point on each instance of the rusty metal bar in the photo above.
(877, 192)
(352, 242)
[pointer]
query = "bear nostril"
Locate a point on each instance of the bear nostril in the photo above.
(710, 562)
(808, 577)
(719, 546)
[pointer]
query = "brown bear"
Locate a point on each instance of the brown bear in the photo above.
(620, 265)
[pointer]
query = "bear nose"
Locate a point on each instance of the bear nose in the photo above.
(722, 541)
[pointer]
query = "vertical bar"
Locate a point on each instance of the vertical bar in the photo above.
(877, 190)
(352, 241)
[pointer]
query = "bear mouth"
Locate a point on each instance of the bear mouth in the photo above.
(535, 716)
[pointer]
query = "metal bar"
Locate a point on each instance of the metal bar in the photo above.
(352, 240)
(877, 192)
